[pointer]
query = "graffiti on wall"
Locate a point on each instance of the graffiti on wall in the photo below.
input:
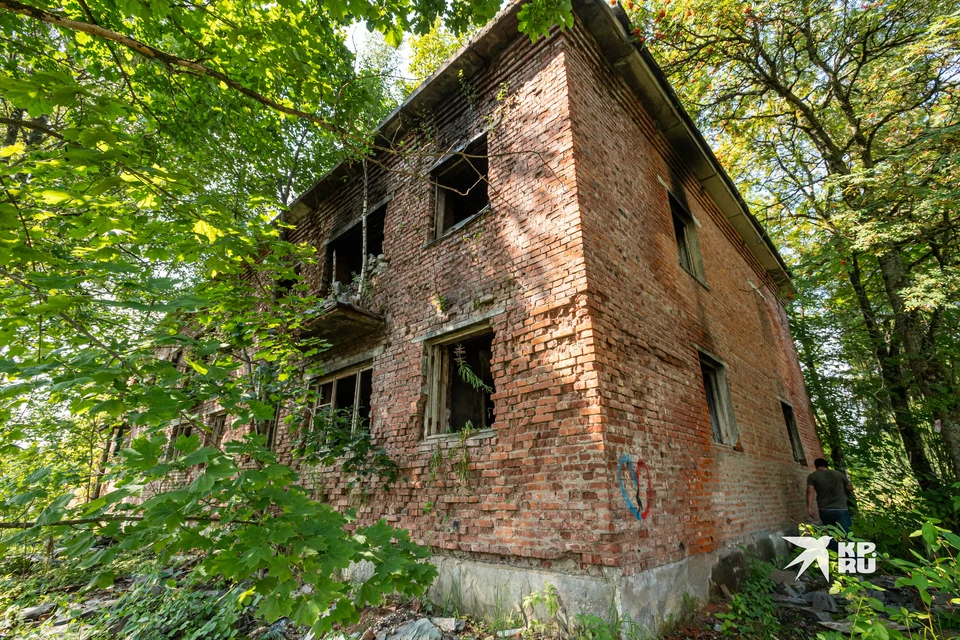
(631, 472)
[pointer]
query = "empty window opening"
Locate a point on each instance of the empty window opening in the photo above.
(791, 421)
(345, 253)
(345, 398)
(179, 429)
(267, 429)
(460, 385)
(685, 232)
(285, 285)
(217, 424)
(461, 186)
(718, 400)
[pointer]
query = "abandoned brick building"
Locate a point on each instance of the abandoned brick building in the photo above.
(556, 222)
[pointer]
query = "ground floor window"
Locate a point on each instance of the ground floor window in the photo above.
(344, 397)
(459, 383)
(791, 421)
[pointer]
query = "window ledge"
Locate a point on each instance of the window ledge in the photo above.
(700, 280)
(457, 227)
(447, 440)
(731, 447)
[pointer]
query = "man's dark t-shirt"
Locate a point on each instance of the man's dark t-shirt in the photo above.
(829, 484)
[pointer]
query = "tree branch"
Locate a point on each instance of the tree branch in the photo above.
(152, 53)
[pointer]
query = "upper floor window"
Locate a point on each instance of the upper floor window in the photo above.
(217, 424)
(179, 429)
(459, 383)
(791, 421)
(345, 252)
(345, 398)
(685, 232)
(461, 185)
(719, 405)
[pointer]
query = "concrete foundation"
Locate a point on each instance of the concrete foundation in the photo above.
(651, 600)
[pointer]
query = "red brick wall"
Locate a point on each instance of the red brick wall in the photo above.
(535, 482)
(649, 316)
(593, 355)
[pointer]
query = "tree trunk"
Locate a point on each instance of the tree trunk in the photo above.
(927, 370)
(887, 356)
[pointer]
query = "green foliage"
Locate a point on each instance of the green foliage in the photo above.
(334, 440)
(546, 613)
(751, 613)
(466, 373)
(933, 573)
(152, 611)
(146, 283)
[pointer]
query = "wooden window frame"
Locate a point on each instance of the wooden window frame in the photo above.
(178, 429)
(438, 371)
(355, 371)
(217, 431)
(793, 433)
(689, 243)
(440, 193)
(723, 422)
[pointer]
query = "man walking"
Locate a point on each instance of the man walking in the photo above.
(830, 488)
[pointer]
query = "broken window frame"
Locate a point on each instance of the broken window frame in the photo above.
(178, 428)
(441, 193)
(356, 372)
(440, 367)
(723, 422)
(793, 434)
(377, 216)
(217, 425)
(685, 235)
(284, 286)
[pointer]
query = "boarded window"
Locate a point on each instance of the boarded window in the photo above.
(460, 383)
(346, 395)
(685, 232)
(345, 252)
(719, 404)
(461, 186)
(791, 421)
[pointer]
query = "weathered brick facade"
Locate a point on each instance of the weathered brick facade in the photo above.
(600, 412)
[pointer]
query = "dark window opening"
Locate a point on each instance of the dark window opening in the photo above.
(184, 430)
(471, 383)
(364, 392)
(267, 429)
(718, 400)
(346, 392)
(285, 285)
(792, 433)
(460, 384)
(685, 233)
(218, 427)
(345, 253)
(461, 185)
(348, 395)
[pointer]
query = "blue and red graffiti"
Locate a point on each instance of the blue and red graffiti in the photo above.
(631, 488)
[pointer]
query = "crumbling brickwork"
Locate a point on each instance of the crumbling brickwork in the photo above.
(601, 451)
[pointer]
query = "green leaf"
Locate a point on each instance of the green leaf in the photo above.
(205, 229)
(55, 510)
